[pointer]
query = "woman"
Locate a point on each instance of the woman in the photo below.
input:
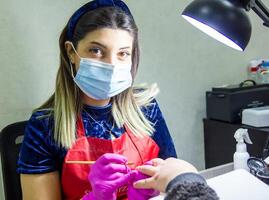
(95, 114)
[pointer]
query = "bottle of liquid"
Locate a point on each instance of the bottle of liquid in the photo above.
(241, 155)
(264, 72)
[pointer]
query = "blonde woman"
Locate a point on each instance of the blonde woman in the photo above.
(95, 114)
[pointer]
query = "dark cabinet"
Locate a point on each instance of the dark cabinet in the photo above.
(220, 143)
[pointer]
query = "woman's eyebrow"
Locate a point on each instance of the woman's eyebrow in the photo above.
(125, 48)
(97, 43)
(105, 47)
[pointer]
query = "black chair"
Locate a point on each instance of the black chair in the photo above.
(10, 142)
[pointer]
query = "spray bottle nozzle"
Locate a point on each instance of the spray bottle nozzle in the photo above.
(241, 135)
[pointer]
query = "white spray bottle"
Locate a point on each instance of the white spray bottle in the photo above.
(241, 155)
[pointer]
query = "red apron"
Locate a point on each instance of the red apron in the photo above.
(75, 176)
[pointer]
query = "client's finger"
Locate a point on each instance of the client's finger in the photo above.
(147, 169)
(157, 161)
(147, 183)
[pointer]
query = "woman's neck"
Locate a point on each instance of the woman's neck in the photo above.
(93, 102)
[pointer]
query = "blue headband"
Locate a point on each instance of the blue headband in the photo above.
(92, 5)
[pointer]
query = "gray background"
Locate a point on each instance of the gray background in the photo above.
(182, 60)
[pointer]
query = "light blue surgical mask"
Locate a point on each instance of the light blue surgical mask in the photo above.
(101, 80)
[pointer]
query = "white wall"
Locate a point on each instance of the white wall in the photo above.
(182, 60)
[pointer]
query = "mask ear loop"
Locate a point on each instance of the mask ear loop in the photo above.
(71, 65)
(71, 68)
(74, 49)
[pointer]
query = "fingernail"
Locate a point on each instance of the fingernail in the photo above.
(149, 162)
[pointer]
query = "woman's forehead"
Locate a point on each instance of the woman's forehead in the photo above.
(116, 38)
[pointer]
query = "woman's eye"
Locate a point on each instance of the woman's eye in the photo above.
(124, 55)
(96, 51)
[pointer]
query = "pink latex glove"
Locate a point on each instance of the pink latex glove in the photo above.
(140, 194)
(108, 174)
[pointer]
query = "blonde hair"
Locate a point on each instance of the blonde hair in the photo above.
(126, 109)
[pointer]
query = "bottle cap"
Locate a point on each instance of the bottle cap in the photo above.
(253, 69)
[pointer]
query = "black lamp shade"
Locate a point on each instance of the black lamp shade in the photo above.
(222, 20)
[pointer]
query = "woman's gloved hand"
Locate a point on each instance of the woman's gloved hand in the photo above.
(107, 174)
(140, 194)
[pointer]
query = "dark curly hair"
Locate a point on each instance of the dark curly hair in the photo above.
(191, 191)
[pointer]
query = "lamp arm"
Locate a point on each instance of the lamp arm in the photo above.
(260, 9)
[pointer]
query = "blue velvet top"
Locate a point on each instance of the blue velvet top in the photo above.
(40, 154)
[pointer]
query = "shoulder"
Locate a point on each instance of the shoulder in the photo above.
(186, 177)
(152, 110)
(144, 93)
(39, 131)
(38, 151)
(145, 97)
(41, 117)
(40, 122)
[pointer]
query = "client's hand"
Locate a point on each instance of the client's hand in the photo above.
(162, 172)
(140, 194)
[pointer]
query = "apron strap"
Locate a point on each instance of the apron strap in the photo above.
(80, 127)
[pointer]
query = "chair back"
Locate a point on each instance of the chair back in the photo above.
(10, 142)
